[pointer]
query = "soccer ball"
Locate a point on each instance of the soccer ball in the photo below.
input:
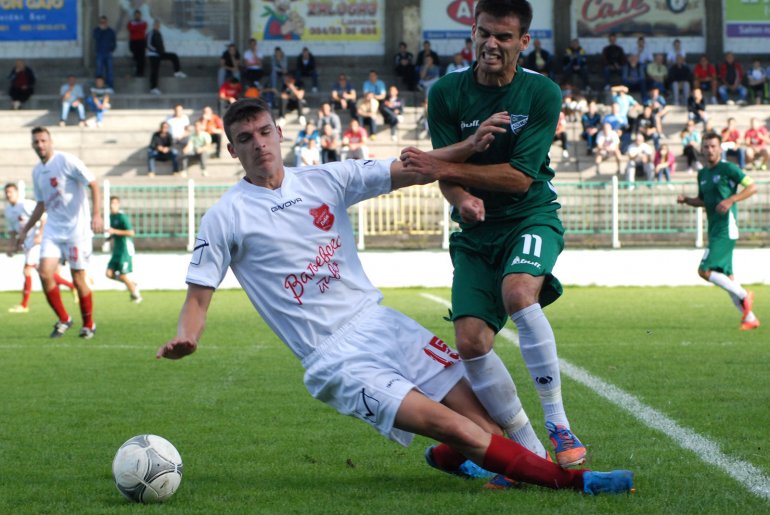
(147, 468)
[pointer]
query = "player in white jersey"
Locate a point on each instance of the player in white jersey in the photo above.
(61, 185)
(17, 213)
(286, 235)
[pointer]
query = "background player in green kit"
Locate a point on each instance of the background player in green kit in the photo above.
(506, 205)
(718, 193)
(121, 263)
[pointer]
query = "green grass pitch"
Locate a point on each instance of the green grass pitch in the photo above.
(253, 441)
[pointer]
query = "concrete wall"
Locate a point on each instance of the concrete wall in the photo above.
(655, 267)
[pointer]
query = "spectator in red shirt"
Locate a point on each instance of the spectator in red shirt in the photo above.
(354, 141)
(230, 91)
(137, 41)
(214, 126)
(731, 144)
(756, 139)
(731, 79)
(467, 52)
(705, 77)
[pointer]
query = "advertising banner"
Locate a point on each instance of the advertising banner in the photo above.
(446, 23)
(659, 21)
(747, 26)
(353, 27)
(39, 20)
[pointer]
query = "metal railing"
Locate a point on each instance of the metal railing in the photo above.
(617, 211)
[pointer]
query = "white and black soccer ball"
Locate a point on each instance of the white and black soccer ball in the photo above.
(147, 468)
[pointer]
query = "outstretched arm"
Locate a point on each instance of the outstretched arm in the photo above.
(192, 320)
(33, 218)
(690, 201)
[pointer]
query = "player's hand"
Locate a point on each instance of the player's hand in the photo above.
(681, 199)
(485, 134)
(97, 224)
(724, 206)
(415, 160)
(472, 209)
(22, 235)
(176, 348)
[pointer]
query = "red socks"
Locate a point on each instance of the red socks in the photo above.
(27, 291)
(61, 281)
(54, 300)
(86, 310)
(446, 457)
(516, 462)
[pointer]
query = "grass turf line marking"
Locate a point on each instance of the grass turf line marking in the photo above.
(708, 451)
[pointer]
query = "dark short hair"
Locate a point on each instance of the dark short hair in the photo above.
(114, 197)
(39, 129)
(244, 109)
(11, 185)
(520, 9)
(712, 135)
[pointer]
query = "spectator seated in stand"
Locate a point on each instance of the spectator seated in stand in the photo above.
(731, 80)
(306, 68)
(592, 124)
(197, 147)
(368, 108)
(310, 154)
(253, 65)
(705, 77)
(22, 83)
(326, 116)
(344, 96)
(374, 85)
(561, 134)
(665, 164)
(540, 59)
(229, 65)
(430, 73)
(162, 149)
(279, 68)
(696, 107)
(731, 143)
(72, 96)
(659, 108)
(99, 100)
(292, 99)
(657, 74)
(640, 160)
(457, 63)
(404, 67)
(229, 92)
(757, 80)
(613, 59)
(646, 125)
(691, 144)
(633, 77)
(354, 141)
(425, 52)
(392, 109)
(641, 52)
(215, 127)
(305, 135)
(467, 52)
(607, 145)
(757, 140)
(575, 62)
(680, 81)
(178, 122)
(330, 144)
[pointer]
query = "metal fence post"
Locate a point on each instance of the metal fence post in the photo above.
(445, 235)
(361, 226)
(190, 215)
(615, 214)
(106, 214)
(699, 228)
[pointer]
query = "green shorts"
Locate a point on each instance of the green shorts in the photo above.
(483, 255)
(121, 264)
(719, 256)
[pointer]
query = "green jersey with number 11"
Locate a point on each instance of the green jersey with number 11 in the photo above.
(457, 106)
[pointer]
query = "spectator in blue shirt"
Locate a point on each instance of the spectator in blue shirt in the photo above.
(72, 96)
(105, 42)
(376, 86)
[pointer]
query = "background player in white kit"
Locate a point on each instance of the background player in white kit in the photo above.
(17, 213)
(61, 183)
(286, 235)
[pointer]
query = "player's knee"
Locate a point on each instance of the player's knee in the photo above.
(704, 274)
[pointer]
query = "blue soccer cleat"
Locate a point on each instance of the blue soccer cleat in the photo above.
(468, 470)
(568, 449)
(614, 482)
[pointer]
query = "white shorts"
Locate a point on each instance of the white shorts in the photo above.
(32, 255)
(368, 367)
(76, 253)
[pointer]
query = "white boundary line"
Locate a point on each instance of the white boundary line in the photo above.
(749, 476)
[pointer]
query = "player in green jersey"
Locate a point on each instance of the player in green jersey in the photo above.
(121, 263)
(718, 193)
(510, 233)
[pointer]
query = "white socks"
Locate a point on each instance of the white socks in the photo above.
(493, 385)
(727, 284)
(538, 347)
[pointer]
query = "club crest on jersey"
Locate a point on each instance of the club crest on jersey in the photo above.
(54, 182)
(322, 217)
(716, 179)
(518, 122)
